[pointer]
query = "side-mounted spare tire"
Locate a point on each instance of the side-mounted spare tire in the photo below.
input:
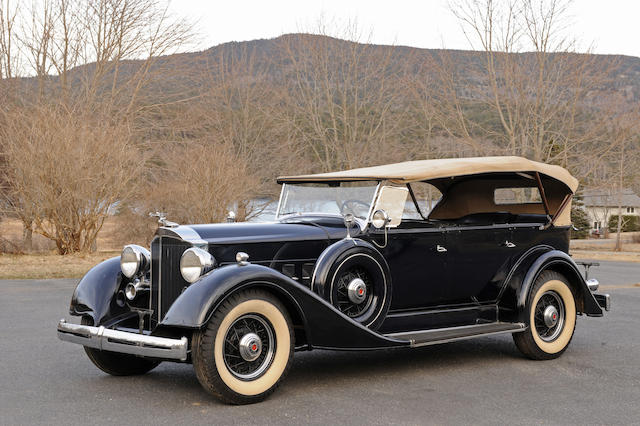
(354, 277)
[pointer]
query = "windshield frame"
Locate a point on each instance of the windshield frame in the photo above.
(366, 219)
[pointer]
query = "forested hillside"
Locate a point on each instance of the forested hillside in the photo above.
(113, 118)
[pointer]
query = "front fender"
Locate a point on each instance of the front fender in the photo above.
(94, 294)
(561, 262)
(324, 326)
(328, 257)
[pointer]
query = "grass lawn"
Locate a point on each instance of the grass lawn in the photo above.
(51, 265)
(40, 266)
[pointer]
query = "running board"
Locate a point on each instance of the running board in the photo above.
(444, 335)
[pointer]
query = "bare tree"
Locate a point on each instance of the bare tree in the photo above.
(626, 142)
(8, 48)
(68, 170)
(540, 90)
(89, 44)
(200, 183)
(344, 99)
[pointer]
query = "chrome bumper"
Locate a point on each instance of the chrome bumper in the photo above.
(122, 341)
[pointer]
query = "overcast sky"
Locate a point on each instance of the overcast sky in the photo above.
(611, 26)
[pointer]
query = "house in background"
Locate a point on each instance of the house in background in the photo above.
(601, 204)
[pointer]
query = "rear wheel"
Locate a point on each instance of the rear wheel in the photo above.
(118, 364)
(245, 350)
(552, 318)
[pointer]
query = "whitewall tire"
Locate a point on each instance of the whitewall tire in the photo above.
(245, 349)
(551, 310)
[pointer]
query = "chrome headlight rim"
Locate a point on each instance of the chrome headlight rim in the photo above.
(194, 263)
(135, 260)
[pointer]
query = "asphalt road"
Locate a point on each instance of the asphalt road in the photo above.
(482, 381)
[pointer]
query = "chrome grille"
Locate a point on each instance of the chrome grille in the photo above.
(166, 281)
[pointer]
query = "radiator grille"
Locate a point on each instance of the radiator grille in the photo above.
(166, 281)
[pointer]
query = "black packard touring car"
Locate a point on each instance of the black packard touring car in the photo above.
(401, 255)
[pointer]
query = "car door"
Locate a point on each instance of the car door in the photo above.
(479, 259)
(417, 260)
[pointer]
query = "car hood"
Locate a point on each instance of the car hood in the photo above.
(292, 229)
(301, 238)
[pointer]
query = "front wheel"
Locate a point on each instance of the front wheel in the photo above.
(245, 349)
(552, 318)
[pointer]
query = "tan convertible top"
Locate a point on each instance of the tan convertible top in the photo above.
(414, 171)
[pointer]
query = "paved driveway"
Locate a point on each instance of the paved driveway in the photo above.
(482, 381)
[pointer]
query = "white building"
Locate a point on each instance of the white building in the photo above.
(600, 204)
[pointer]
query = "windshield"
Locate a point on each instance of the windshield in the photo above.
(335, 198)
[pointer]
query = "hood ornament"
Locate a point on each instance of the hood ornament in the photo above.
(231, 216)
(162, 220)
(349, 221)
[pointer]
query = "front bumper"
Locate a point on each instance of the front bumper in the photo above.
(123, 341)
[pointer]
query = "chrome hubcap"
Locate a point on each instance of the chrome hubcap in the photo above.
(357, 291)
(550, 316)
(354, 292)
(250, 347)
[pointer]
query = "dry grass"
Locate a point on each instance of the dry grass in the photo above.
(116, 232)
(47, 264)
(42, 266)
(623, 256)
(44, 262)
(629, 243)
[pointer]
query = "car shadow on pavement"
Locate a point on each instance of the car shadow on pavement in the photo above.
(398, 361)
(320, 368)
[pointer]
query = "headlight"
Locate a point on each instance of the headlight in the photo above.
(379, 219)
(134, 260)
(194, 263)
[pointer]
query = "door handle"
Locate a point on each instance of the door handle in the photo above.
(509, 244)
(440, 249)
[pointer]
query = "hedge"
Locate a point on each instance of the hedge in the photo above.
(630, 223)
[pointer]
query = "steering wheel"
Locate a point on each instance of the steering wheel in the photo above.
(349, 206)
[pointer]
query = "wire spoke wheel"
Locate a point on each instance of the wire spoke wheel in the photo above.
(245, 349)
(357, 283)
(249, 347)
(549, 316)
(354, 292)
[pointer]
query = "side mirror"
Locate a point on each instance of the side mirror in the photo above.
(380, 219)
(390, 203)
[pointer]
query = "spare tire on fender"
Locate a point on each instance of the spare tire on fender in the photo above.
(354, 277)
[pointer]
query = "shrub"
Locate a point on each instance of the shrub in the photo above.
(630, 223)
(581, 221)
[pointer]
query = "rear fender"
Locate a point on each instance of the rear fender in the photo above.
(561, 262)
(95, 294)
(324, 326)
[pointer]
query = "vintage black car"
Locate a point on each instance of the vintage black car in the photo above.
(394, 256)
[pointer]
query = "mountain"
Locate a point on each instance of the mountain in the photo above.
(185, 70)
(624, 78)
